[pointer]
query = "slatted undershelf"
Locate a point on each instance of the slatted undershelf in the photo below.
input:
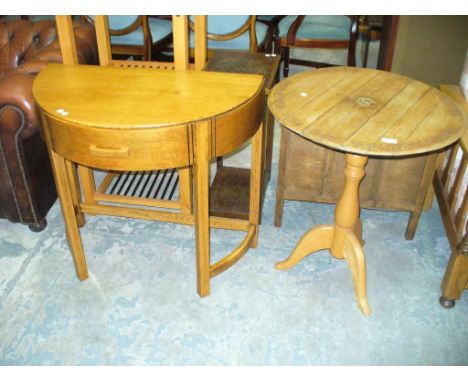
(149, 188)
(229, 193)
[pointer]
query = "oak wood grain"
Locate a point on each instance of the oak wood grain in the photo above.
(118, 98)
(366, 111)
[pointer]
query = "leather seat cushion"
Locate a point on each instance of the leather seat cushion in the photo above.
(318, 27)
(226, 24)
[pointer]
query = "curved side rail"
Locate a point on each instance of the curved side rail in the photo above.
(229, 260)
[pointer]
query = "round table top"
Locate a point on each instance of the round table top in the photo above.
(366, 111)
(114, 97)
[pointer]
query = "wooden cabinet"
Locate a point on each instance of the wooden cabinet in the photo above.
(310, 172)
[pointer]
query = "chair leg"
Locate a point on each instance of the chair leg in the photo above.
(281, 174)
(277, 47)
(201, 171)
(456, 275)
(40, 226)
(285, 59)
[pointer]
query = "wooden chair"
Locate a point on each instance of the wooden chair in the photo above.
(141, 36)
(271, 21)
(241, 33)
(452, 195)
(329, 32)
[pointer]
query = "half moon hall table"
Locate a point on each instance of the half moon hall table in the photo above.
(362, 112)
(143, 119)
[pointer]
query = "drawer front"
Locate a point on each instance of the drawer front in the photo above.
(238, 126)
(121, 149)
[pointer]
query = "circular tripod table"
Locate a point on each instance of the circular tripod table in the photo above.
(362, 112)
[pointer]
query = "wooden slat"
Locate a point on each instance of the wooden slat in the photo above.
(335, 116)
(67, 39)
(430, 130)
(134, 200)
(101, 23)
(347, 113)
(200, 42)
(201, 175)
(181, 43)
(315, 96)
(164, 216)
(449, 165)
(460, 216)
(377, 126)
(457, 182)
(256, 182)
(452, 234)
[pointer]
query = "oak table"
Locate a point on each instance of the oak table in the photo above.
(138, 119)
(362, 112)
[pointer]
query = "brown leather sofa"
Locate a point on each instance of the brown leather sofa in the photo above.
(27, 189)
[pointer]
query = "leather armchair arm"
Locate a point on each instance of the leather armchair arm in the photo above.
(27, 189)
(16, 94)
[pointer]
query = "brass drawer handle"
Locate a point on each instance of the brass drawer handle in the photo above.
(109, 152)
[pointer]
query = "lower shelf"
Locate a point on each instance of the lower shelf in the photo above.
(230, 192)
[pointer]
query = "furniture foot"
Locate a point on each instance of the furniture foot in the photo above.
(356, 260)
(316, 239)
(447, 304)
(38, 227)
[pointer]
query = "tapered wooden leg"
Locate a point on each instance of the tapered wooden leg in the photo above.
(256, 181)
(314, 240)
(88, 185)
(185, 190)
(269, 122)
(201, 169)
(281, 176)
(75, 192)
(356, 260)
(71, 224)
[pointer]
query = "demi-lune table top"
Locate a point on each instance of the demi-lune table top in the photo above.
(139, 97)
(366, 111)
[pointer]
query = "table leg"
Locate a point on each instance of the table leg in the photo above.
(344, 237)
(59, 166)
(201, 209)
(75, 192)
(256, 175)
